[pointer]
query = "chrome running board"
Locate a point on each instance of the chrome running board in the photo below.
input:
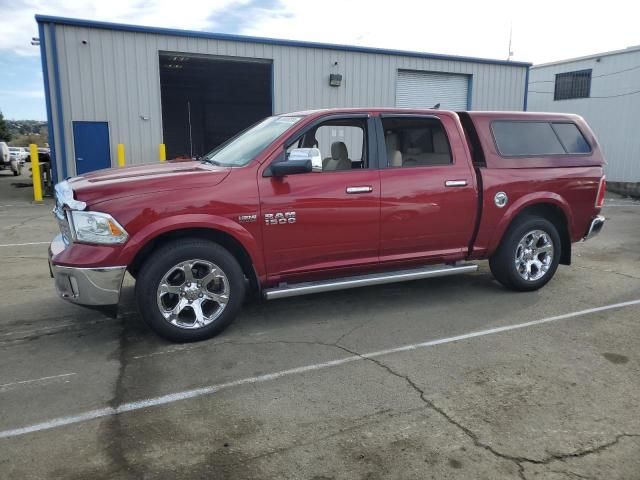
(292, 290)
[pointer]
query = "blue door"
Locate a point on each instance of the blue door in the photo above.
(91, 142)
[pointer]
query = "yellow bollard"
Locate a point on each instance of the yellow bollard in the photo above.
(120, 155)
(163, 153)
(35, 172)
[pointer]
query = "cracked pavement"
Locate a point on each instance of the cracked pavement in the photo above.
(518, 460)
(554, 401)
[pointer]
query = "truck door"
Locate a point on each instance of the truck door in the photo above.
(428, 190)
(328, 221)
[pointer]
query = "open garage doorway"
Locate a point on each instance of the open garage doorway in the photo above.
(208, 99)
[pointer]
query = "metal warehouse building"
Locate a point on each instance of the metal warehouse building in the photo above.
(605, 90)
(108, 84)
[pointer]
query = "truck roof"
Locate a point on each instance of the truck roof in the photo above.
(324, 111)
(521, 115)
(429, 111)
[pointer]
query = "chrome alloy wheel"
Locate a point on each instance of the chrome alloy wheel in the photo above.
(193, 294)
(534, 255)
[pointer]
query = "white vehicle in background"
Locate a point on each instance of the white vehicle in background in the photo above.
(20, 153)
(12, 157)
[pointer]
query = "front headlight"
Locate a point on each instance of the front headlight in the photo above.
(64, 196)
(97, 227)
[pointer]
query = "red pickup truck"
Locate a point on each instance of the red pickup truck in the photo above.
(331, 199)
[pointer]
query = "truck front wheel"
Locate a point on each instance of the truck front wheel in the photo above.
(528, 255)
(190, 290)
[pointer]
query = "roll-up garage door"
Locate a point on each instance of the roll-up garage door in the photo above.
(427, 89)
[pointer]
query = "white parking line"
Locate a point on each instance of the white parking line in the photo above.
(208, 390)
(23, 244)
(5, 386)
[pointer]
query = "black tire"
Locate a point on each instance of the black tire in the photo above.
(503, 262)
(16, 173)
(161, 262)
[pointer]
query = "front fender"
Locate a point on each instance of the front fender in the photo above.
(195, 220)
(528, 200)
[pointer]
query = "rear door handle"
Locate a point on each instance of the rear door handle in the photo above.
(362, 189)
(455, 183)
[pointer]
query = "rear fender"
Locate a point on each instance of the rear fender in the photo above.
(522, 203)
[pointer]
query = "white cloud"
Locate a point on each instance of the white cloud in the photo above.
(542, 31)
(185, 14)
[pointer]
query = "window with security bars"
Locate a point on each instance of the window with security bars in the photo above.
(573, 85)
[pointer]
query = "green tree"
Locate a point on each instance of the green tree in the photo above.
(26, 140)
(5, 136)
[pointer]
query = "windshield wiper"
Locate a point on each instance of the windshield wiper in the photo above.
(211, 161)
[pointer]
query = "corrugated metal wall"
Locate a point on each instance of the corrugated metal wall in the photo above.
(114, 77)
(612, 110)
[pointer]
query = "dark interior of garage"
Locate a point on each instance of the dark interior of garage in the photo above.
(206, 100)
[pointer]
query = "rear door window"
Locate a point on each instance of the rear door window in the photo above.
(415, 142)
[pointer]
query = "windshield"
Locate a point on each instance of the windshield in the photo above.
(241, 149)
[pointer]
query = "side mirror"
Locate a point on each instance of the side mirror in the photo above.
(312, 154)
(300, 160)
(290, 167)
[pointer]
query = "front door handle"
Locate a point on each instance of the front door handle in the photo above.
(362, 189)
(455, 183)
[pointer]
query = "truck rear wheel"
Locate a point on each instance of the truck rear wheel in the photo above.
(190, 290)
(528, 255)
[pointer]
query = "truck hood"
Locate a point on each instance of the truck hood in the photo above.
(103, 185)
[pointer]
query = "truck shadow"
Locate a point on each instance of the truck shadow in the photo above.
(420, 297)
(428, 299)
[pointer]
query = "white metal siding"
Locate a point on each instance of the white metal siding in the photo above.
(612, 110)
(114, 77)
(427, 89)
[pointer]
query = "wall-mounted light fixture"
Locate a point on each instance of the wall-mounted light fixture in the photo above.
(335, 79)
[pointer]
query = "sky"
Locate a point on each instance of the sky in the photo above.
(542, 31)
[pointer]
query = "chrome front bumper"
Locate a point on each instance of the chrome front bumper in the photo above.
(85, 286)
(595, 227)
